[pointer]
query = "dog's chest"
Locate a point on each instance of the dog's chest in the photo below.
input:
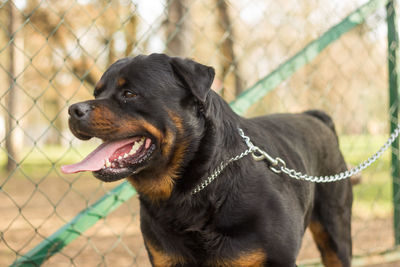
(203, 248)
(199, 239)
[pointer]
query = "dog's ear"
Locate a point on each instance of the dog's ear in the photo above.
(197, 77)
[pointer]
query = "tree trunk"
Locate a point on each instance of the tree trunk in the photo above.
(229, 64)
(13, 22)
(130, 35)
(177, 28)
(111, 55)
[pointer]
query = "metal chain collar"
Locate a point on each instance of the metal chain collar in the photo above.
(218, 171)
(278, 165)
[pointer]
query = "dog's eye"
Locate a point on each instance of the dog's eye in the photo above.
(128, 94)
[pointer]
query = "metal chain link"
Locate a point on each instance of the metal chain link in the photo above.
(218, 171)
(278, 165)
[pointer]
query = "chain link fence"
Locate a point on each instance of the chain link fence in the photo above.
(53, 52)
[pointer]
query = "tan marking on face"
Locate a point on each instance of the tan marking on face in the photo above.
(177, 121)
(256, 258)
(321, 237)
(167, 143)
(127, 126)
(121, 81)
(156, 189)
(170, 137)
(99, 85)
(102, 121)
(163, 259)
(131, 125)
(160, 186)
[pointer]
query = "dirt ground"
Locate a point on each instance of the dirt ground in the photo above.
(31, 211)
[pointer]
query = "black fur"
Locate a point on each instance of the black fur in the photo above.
(248, 208)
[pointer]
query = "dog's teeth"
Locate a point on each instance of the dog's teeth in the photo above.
(126, 155)
(108, 163)
(120, 157)
(140, 142)
(135, 147)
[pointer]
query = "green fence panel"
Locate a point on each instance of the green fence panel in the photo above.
(306, 55)
(393, 47)
(73, 229)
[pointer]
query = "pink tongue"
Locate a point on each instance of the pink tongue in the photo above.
(95, 160)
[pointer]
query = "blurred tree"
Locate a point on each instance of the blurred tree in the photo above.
(130, 32)
(110, 24)
(11, 102)
(57, 36)
(82, 59)
(176, 28)
(229, 63)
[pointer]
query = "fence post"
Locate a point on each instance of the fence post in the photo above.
(393, 46)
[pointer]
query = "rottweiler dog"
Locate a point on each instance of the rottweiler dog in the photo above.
(166, 132)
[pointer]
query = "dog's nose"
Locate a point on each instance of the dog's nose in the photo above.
(79, 111)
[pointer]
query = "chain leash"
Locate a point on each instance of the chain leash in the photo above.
(278, 165)
(218, 171)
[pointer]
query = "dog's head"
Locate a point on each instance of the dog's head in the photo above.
(147, 110)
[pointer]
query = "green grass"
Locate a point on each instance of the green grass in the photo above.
(50, 154)
(36, 162)
(373, 197)
(357, 148)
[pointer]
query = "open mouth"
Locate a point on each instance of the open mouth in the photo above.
(115, 160)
